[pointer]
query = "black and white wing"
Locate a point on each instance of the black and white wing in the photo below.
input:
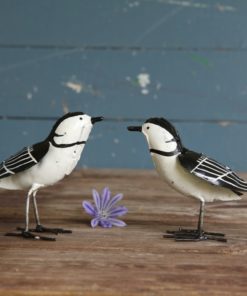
(23, 160)
(212, 171)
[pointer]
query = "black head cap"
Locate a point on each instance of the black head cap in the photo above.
(67, 115)
(168, 126)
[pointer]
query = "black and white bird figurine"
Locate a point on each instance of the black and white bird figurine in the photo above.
(46, 163)
(190, 173)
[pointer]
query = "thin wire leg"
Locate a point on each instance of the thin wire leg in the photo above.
(40, 228)
(201, 217)
(26, 232)
(27, 210)
(195, 234)
(35, 206)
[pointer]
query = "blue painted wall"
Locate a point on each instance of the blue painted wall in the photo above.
(92, 55)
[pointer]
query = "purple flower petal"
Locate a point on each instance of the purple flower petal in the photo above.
(118, 211)
(106, 194)
(114, 200)
(94, 222)
(96, 199)
(89, 208)
(117, 222)
(105, 223)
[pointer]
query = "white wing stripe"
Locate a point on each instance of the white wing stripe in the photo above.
(242, 184)
(229, 174)
(235, 183)
(4, 173)
(19, 161)
(206, 171)
(22, 164)
(7, 170)
(29, 150)
(200, 162)
(23, 151)
(14, 159)
(215, 169)
(222, 176)
(16, 155)
(214, 164)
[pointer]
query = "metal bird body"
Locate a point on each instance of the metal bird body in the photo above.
(192, 174)
(47, 162)
(50, 169)
(173, 173)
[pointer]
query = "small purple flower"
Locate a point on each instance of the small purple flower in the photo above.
(104, 210)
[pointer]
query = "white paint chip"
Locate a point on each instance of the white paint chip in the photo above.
(224, 123)
(79, 86)
(143, 80)
(75, 86)
(145, 91)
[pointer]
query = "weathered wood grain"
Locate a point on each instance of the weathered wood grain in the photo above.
(135, 260)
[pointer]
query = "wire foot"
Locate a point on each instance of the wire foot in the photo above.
(40, 228)
(189, 235)
(29, 235)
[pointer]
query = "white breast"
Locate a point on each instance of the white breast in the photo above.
(57, 163)
(171, 171)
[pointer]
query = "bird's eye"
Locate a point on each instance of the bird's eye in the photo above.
(81, 118)
(148, 127)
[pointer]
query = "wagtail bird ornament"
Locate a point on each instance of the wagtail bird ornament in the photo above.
(46, 163)
(192, 174)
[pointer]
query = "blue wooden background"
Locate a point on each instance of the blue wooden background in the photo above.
(127, 60)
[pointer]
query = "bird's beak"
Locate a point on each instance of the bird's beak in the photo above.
(134, 128)
(96, 119)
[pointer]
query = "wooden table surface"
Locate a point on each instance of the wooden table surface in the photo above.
(135, 260)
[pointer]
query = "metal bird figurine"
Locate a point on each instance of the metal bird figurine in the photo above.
(46, 163)
(190, 173)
